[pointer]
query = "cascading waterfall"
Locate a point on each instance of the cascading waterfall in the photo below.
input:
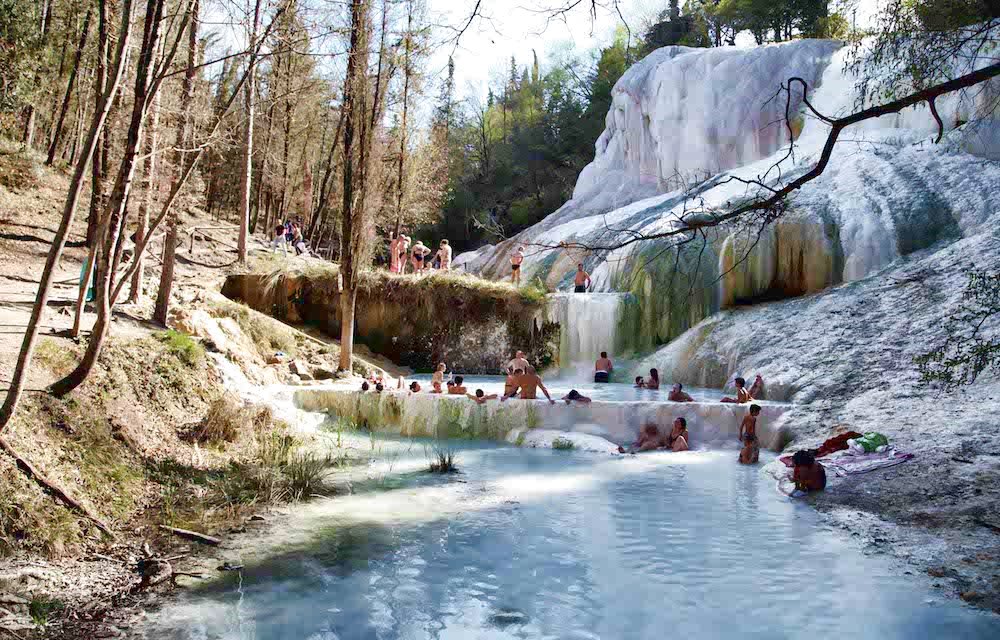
(589, 324)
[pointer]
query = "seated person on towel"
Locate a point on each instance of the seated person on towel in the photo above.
(750, 453)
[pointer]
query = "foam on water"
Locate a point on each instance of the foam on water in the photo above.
(542, 544)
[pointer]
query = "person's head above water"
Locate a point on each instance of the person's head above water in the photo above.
(379, 388)
(638, 379)
(479, 393)
(740, 383)
(450, 383)
(573, 394)
(414, 386)
(364, 386)
(604, 354)
(678, 387)
(654, 374)
(803, 458)
(459, 380)
(755, 409)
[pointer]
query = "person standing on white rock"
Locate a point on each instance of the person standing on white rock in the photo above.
(516, 259)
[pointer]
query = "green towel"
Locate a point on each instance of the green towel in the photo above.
(872, 441)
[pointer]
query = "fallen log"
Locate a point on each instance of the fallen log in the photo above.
(193, 535)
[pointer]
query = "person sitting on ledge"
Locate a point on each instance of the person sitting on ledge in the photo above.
(750, 454)
(528, 384)
(649, 440)
(653, 381)
(480, 397)
(677, 394)
(807, 474)
(603, 368)
(639, 384)
(457, 387)
(415, 387)
(677, 440)
(742, 395)
(575, 396)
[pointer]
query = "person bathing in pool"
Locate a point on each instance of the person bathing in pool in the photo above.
(677, 439)
(528, 384)
(603, 368)
(639, 383)
(649, 440)
(750, 454)
(575, 396)
(480, 397)
(414, 387)
(807, 474)
(677, 394)
(653, 381)
(744, 395)
(457, 388)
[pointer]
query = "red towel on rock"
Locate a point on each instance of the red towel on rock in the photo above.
(832, 445)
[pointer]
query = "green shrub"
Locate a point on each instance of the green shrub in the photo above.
(41, 609)
(187, 349)
(562, 444)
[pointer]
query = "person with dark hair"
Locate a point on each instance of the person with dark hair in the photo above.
(457, 387)
(480, 397)
(807, 474)
(750, 453)
(279, 240)
(379, 388)
(603, 368)
(639, 383)
(677, 394)
(581, 281)
(415, 387)
(575, 396)
(678, 438)
(653, 382)
(364, 386)
(742, 395)
(528, 384)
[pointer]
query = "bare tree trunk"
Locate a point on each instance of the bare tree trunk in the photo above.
(265, 154)
(59, 241)
(407, 72)
(246, 176)
(112, 222)
(29, 117)
(185, 139)
(148, 196)
(319, 215)
(57, 132)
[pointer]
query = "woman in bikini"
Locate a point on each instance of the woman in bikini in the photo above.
(678, 438)
(417, 257)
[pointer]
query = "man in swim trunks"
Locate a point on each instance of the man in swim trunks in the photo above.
(528, 383)
(808, 474)
(677, 394)
(575, 396)
(678, 438)
(516, 259)
(750, 453)
(444, 256)
(603, 368)
(509, 382)
(480, 397)
(581, 281)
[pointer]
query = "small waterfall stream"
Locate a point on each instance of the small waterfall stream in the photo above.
(588, 325)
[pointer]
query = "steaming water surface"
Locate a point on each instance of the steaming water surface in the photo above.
(552, 544)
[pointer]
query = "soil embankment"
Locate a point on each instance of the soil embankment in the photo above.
(472, 325)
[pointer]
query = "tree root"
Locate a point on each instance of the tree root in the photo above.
(53, 489)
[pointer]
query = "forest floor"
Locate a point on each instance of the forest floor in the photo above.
(129, 443)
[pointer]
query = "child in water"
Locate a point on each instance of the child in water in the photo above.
(750, 453)
(639, 383)
(807, 474)
(480, 397)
